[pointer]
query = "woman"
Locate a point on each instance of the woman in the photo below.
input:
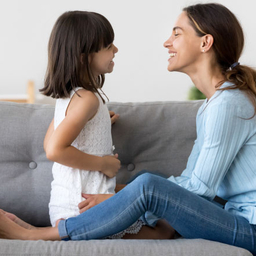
(206, 43)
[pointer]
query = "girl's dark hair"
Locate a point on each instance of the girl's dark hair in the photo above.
(74, 36)
(222, 24)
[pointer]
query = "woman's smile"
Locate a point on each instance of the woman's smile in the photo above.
(172, 55)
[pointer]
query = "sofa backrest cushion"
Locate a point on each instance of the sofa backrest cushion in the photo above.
(25, 173)
(155, 136)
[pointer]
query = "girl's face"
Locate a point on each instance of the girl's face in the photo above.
(184, 46)
(101, 62)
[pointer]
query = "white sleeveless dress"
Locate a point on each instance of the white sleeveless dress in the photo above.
(68, 183)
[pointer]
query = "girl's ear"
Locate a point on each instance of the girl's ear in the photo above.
(83, 58)
(207, 42)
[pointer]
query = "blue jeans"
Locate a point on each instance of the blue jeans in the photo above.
(189, 214)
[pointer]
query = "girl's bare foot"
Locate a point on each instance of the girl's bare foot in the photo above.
(18, 221)
(9, 229)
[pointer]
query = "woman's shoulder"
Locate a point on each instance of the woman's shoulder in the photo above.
(232, 100)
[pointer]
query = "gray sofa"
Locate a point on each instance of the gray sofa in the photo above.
(156, 136)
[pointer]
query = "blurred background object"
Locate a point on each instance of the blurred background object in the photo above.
(21, 98)
(195, 94)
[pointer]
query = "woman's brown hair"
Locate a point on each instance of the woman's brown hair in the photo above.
(222, 24)
(75, 35)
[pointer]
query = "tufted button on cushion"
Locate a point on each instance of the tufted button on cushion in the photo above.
(32, 165)
(130, 167)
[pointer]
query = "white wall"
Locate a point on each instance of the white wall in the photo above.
(141, 27)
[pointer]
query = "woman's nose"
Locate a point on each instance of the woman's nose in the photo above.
(168, 42)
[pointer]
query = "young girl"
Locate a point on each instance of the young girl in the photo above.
(78, 140)
(206, 44)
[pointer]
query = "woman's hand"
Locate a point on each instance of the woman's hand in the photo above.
(92, 200)
(110, 165)
(113, 116)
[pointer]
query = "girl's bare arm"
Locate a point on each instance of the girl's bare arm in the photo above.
(58, 142)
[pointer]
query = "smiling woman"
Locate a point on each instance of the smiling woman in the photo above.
(185, 47)
(206, 44)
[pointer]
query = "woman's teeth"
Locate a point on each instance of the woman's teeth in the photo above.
(172, 54)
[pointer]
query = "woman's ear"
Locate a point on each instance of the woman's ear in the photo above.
(207, 42)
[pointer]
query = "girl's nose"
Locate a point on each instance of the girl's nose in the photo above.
(115, 49)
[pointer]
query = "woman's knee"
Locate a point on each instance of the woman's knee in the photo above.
(148, 179)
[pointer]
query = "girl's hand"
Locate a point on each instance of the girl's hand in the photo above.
(110, 165)
(113, 116)
(92, 200)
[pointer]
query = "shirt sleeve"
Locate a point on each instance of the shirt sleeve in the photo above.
(222, 139)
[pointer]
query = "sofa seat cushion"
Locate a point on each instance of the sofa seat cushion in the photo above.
(181, 247)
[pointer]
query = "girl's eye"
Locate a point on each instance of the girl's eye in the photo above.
(110, 46)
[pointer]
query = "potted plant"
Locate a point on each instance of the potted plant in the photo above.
(195, 94)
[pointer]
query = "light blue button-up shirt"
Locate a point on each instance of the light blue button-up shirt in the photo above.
(223, 159)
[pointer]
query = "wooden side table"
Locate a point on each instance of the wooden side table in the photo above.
(22, 98)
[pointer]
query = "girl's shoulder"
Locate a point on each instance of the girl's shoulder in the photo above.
(84, 97)
(82, 92)
(83, 102)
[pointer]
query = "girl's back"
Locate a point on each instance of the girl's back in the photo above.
(69, 183)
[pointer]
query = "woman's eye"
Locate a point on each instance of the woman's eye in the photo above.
(176, 34)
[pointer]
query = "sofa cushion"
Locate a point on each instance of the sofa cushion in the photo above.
(156, 136)
(25, 173)
(181, 247)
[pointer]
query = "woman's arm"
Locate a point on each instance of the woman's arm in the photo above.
(58, 142)
(224, 135)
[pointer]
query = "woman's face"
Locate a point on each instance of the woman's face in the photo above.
(184, 46)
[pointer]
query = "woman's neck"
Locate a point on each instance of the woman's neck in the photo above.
(207, 79)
